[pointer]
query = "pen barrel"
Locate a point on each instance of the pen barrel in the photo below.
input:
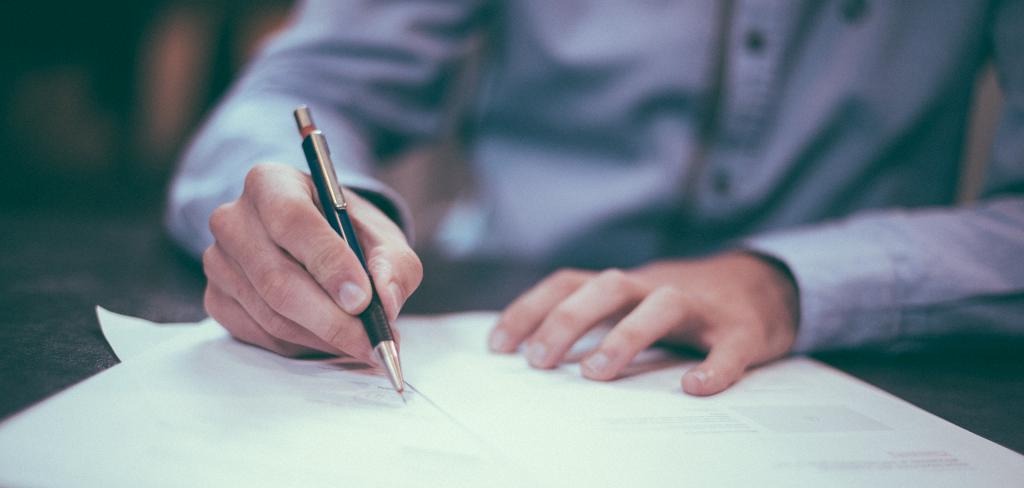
(375, 321)
(332, 201)
(349, 234)
(323, 193)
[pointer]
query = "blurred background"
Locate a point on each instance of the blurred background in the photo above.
(96, 100)
(98, 97)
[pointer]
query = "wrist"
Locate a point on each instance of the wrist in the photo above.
(783, 281)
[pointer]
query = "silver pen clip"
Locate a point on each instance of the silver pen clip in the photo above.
(323, 156)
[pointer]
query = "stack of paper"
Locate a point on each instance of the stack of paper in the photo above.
(189, 406)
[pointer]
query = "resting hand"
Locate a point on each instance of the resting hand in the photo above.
(736, 307)
(279, 277)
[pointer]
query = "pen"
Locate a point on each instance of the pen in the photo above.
(336, 210)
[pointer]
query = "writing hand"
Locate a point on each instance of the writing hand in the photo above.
(738, 308)
(280, 278)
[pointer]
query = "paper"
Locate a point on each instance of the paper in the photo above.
(200, 409)
(130, 336)
(795, 422)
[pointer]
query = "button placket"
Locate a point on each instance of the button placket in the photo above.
(755, 50)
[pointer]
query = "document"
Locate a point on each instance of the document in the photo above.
(201, 409)
(189, 406)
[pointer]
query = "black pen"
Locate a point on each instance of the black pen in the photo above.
(336, 210)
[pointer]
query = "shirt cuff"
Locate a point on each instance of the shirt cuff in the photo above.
(846, 283)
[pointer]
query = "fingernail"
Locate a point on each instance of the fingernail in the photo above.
(398, 297)
(373, 358)
(536, 353)
(351, 296)
(596, 364)
(498, 340)
(701, 376)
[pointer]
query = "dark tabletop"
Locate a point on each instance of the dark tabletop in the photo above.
(55, 268)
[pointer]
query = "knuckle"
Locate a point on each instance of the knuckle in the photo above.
(211, 302)
(613, 281)
(614, 274)
(410, 265)
(402, 265)
(286, 212)
(380, 268)
(218, 272)
(258, 175)
(566, 280)
(210, 260)
(218, 307)
(632, 338)
(674, 296)
(221, 219)
(566, 275)
(563, 316)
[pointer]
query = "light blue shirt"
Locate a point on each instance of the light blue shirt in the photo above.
(605, 133)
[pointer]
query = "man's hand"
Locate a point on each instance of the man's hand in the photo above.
(279, 277)
(737, 307)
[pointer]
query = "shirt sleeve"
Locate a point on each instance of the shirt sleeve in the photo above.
(375, 76)
(902, 279)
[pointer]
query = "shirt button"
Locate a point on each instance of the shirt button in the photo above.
(754, 41)
(854, 10)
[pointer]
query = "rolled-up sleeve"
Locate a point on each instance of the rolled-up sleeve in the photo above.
(375, 75)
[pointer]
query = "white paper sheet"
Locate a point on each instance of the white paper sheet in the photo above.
(200, 409)
(131, 336)
(796, 422)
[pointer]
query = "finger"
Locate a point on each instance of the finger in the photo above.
(284, 284)
(284, 201)
(395, 267)
(723, 366)
(226, 276)
(227, 312)
(526, 313)
(660, 312)
(605, 295)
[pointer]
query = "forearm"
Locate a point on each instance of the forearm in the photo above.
(895, 280)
